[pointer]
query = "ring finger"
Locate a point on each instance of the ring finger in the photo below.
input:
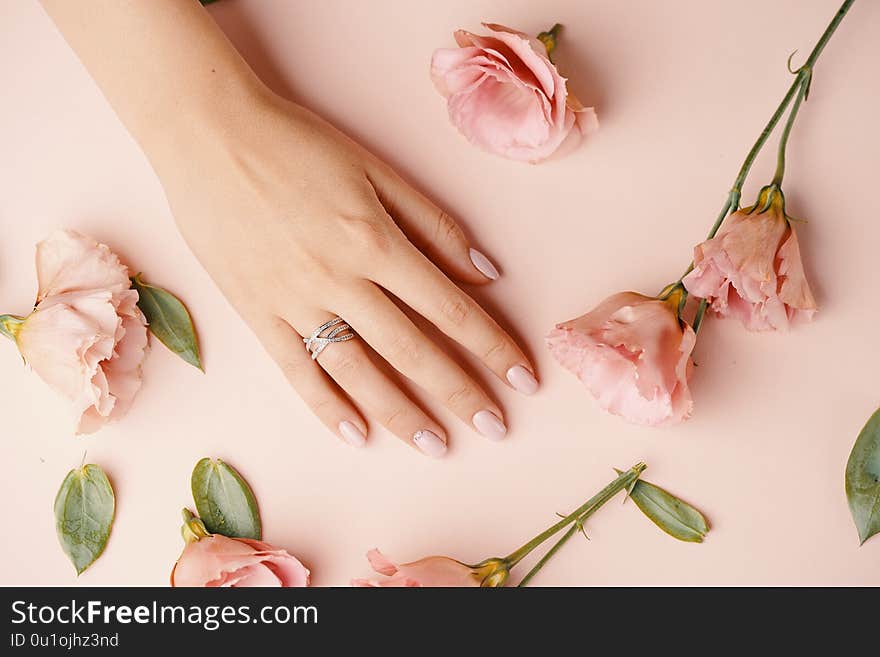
(350, 365)
(388, 330)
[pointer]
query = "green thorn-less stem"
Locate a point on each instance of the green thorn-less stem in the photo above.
(576, 526)
(736, 191)
(804, 76)
(800, 84)
(803, 81)
(798, 91)
(553, 550)
(619, 484)
(698, 317)
(732, 202)
(682, 301)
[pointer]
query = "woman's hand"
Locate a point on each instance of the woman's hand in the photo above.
(297, 224)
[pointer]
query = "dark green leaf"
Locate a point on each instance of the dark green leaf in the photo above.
(84, 510)
(225, 502)
(168, 320)
(672, 515)
(863, 479)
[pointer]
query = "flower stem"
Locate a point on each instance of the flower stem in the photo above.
(553, 550)
(799, 91)
(576, 526)
(698, 317)
(786, 131)
(799, 87)
(802, 83)
(624, 480)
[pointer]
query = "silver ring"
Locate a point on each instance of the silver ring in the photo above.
(336, 330)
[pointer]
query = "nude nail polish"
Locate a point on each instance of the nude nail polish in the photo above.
(351, 434)
(484, 265)
(489, 424)
(430, 443)
(522, 380)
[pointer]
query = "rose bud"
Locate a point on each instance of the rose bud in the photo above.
(632, 352)
(434, 572)
(211, 560)
(506, 96)
(752, 269)
(86, 337)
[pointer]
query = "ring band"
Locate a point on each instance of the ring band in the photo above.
(336, 330)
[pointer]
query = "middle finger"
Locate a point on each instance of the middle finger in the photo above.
(416, 281)
(388, 330)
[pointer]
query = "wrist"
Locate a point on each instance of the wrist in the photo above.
(219, 110)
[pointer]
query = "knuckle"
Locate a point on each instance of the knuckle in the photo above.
(461, 395)
(323, 407)
(343, 364)
(371, 235)
(404, 349)
(446, 228)
(291, 367)
(393, 419)
(456, 309)
(497, 348)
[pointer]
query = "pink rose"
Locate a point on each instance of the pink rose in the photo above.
(216, 560)
(86, 337)
(506, 96)
(433, 572)
(752, 268)
(632, 352)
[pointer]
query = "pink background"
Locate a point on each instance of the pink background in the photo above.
(682, 89)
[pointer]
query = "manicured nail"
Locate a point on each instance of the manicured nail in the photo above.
(490, 425)
(522, 380)
(351, 434)
(484, 265)
(430, 443)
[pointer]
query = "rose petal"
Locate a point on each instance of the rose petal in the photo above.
(68, 261)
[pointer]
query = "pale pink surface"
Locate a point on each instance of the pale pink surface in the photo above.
(429, 572)
(775, 415)
(86, 337)
(238, 562)
(633, 355)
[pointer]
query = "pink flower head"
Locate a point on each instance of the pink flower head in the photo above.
(86, 337)
(433, 572)
(216, 560)
(506, 96)
(632, 352)
(752, 268)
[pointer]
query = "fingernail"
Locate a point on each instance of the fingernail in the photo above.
(430, 443)
(484, 265)
(490, 425)
(522, 380)
(351, 434)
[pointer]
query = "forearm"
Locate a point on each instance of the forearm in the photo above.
(166, 68)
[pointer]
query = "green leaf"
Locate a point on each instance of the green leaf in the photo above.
(168, 320)
(863, 479)
(674, 516)
(225, 502)
(84, 509)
